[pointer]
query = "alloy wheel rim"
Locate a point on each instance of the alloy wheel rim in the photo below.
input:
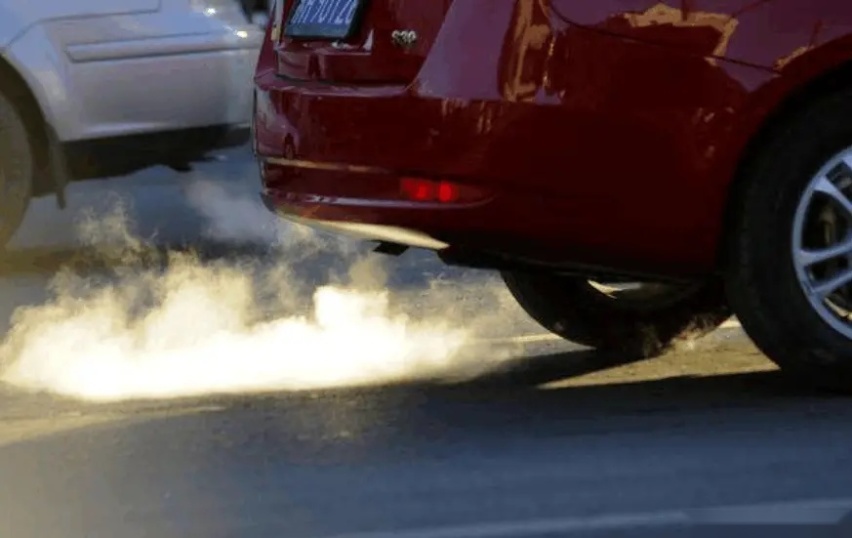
(822, 243)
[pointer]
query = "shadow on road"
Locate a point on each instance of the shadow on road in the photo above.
(511, 405)
(377, 423)
(519, 390)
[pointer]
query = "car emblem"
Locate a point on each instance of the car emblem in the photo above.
(404, 38)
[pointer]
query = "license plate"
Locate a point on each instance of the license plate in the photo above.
(323, 19)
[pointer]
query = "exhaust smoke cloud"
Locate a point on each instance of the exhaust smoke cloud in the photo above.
(193, 327)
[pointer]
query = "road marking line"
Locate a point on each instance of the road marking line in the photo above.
(821, 511)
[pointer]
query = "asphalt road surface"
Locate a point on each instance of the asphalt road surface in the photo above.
(555, 440)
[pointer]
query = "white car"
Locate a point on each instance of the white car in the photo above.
(99, 88)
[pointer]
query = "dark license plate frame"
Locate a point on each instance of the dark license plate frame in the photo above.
(323, 32)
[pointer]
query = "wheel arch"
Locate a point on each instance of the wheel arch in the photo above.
(13, 85)
(807, 78)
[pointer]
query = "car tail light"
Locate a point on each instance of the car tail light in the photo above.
(442, 191)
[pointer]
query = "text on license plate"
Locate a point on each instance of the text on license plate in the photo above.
(323, 19)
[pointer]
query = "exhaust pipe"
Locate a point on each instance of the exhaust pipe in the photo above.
(391, 249)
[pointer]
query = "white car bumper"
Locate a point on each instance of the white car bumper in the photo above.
(139, 84)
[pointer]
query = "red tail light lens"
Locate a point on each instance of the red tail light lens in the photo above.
(445, 192)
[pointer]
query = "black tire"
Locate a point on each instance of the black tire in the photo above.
(762, 280)
(619, 321)
(16, 170)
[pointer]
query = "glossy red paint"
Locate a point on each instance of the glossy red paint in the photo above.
(607, 133)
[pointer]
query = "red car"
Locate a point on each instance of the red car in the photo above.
(701, 148)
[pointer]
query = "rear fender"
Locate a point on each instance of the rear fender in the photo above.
(44, 69)
(17, 17)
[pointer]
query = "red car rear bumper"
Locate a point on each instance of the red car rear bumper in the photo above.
(335, 158)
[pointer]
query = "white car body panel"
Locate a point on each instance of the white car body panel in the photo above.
(110, 68)
(16, 16)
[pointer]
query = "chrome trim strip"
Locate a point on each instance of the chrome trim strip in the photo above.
(238, 39)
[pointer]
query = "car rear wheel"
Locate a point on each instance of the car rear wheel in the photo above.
(640, 320)
(789, 270)
(16, 170)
